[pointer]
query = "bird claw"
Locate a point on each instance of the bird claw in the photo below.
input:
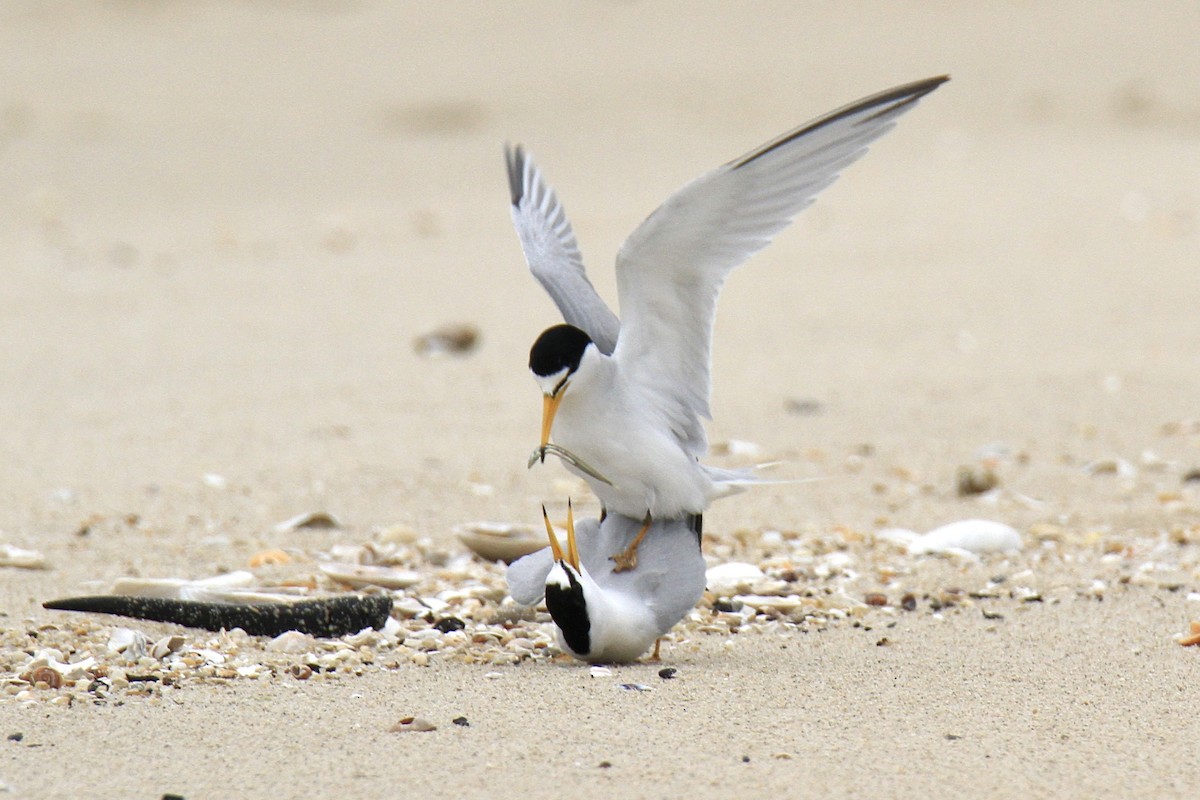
(624, 561)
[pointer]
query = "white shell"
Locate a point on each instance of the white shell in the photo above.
(974, 536)
(128, 641)
(360, 575)
(166, 645)
(311, 519)
(499, 541)
(12, 556)
(726, 579)
(292, 642)
(773, 602)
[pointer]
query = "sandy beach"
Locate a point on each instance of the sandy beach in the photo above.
(224, 225)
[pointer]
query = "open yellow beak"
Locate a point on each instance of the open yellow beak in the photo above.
(549, 409)
(572, 548)
(572, 554)
(555, 547)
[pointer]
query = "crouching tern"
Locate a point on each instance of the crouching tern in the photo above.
(606, 616)
(627, 398)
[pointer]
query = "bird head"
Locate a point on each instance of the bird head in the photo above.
(567, 588)
(554, 360)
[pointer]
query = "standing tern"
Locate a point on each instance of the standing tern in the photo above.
(602, 615)
(627, 398)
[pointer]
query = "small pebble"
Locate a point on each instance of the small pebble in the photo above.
(461, 722)
(454, 339)
(667, 673)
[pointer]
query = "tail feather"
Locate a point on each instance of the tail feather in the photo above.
(733, 481)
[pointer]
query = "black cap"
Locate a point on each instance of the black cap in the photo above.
(557, 348)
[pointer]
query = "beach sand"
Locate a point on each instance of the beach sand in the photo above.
(223, 225)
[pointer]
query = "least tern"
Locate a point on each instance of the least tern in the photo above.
(605, 616)
(628, 398)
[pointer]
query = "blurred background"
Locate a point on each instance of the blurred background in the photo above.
(224, 224)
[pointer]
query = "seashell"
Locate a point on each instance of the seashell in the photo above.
(209, 656)
(769, 602)
(497, 541)
(165, 646)
(361, 575)
(415, 724)
(974, 536)
(49, 676)
(398, 534)
(1110, 466)
(19, 557)
(600, 672)
(214, 481)
(312, 519)
(128, 641)
(291, 642)
(455, 338)
(269, 557)
(300, 672)
(725, 579)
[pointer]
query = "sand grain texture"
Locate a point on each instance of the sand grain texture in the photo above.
(223, 225)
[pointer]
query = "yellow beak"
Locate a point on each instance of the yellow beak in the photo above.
(572, 547)
(549, 409)
(572, 554)
(555, 547)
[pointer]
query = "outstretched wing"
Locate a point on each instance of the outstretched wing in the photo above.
(552, 254)
(670, 270)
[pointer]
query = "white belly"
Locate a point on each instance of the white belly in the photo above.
(648, 469)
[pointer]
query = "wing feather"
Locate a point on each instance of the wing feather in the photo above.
(671, 269)
(552, 253)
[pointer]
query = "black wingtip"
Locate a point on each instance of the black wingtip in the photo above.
(884, 102)
(514, 157)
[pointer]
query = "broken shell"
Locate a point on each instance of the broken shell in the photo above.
(166, 645)
(415, 724)
(497, 541)
(269, 557)
(12, 556)
(292, 642)
(361, 575)
(398, 534)
(458, 338)
(769, 603)
(1110, 466)
(313, 519)
(129, 642)
(976, 536)
(726, 579)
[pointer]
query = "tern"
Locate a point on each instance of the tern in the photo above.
(627, 399)
(606, 616)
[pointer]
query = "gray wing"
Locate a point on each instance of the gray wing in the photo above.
(670, 270)
(552, 253)
(669, 578)
(527, 577)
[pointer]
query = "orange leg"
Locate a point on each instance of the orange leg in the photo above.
(657, 644)
(627, 558)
